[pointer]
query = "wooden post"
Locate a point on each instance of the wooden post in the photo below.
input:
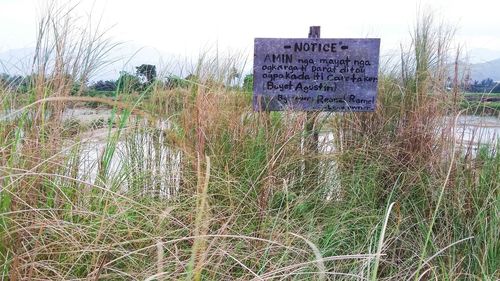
(311, 138)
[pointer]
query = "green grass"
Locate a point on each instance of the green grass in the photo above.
(481, 108)
(254, 204)
(219, 192)
(470, 94)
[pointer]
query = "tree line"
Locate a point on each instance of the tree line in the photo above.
(485, 86)
(144, 77)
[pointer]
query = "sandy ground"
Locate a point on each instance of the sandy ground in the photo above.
(86, 115)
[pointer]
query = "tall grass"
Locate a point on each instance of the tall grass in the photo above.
(192, 184)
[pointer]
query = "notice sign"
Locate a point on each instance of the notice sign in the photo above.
(315, 74)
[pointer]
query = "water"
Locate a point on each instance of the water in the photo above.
(144, 154)
(141, 158)
(473, 131)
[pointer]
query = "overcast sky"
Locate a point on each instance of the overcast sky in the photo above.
(185, 27)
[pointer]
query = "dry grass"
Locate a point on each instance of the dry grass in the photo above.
(192, 184)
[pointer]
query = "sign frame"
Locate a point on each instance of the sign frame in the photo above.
(313, 74)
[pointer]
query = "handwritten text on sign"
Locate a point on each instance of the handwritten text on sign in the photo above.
(316, 74)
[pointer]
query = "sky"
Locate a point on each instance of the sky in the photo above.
(188, 27)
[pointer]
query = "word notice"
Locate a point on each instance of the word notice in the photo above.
(315, 74)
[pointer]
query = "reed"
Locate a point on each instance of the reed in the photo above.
(190, 183)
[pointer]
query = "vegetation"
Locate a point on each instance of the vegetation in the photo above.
(485, 86)
(108, 86)
(191, 184)
(481, 104)
(147, 72)
(248, 83)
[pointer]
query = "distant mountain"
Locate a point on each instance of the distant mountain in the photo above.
(16, 61)
(128, 55)
(480, 55)
(125, 57)
(490, 69)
